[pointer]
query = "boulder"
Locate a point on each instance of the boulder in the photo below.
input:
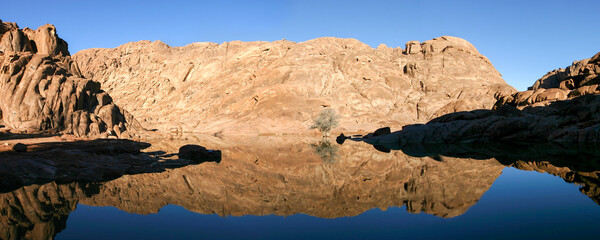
(19, 147)
(382, 131)
(199, 153)
(341, 138)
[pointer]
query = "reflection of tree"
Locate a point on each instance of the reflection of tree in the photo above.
(326, 151)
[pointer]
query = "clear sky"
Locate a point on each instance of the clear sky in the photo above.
(523, 39)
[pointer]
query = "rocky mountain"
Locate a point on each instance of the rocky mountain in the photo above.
(278, 87)
(42, 90)
(562, 106)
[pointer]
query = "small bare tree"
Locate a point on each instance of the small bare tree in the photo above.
(327, 120)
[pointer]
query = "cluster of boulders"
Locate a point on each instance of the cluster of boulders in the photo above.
(581, 78)
(42, 90)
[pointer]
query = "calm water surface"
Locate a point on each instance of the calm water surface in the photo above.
(274, 189)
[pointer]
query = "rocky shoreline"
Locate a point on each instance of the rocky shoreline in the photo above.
(66, 159)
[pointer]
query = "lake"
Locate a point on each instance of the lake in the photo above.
(285, 187)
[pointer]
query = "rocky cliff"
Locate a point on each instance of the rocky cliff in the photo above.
(274, 87)
(42, 89)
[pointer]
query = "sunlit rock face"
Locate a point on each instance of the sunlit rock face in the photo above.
(41, 88)
(273, 87)
(289, 178)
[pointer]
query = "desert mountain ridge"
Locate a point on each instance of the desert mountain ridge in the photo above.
(279, 87)
(237, 87)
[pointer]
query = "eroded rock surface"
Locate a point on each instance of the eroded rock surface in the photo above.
(42, 90)
(273, 87)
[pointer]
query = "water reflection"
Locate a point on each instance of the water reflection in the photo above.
(326, 151)
(574, 163)
(283, 176)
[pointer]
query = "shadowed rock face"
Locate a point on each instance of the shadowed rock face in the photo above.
(571, 121)
(272, 87)
(41, 88)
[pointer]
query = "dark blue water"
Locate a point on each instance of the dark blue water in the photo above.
(520, 204)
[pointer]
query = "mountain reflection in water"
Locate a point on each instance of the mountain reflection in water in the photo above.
(286, 176)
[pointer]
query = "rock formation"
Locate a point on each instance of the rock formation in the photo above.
(581, 78)
(562, 106)
(274, 87)
(42, 90)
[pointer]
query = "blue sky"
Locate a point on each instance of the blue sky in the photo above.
(523, 39)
